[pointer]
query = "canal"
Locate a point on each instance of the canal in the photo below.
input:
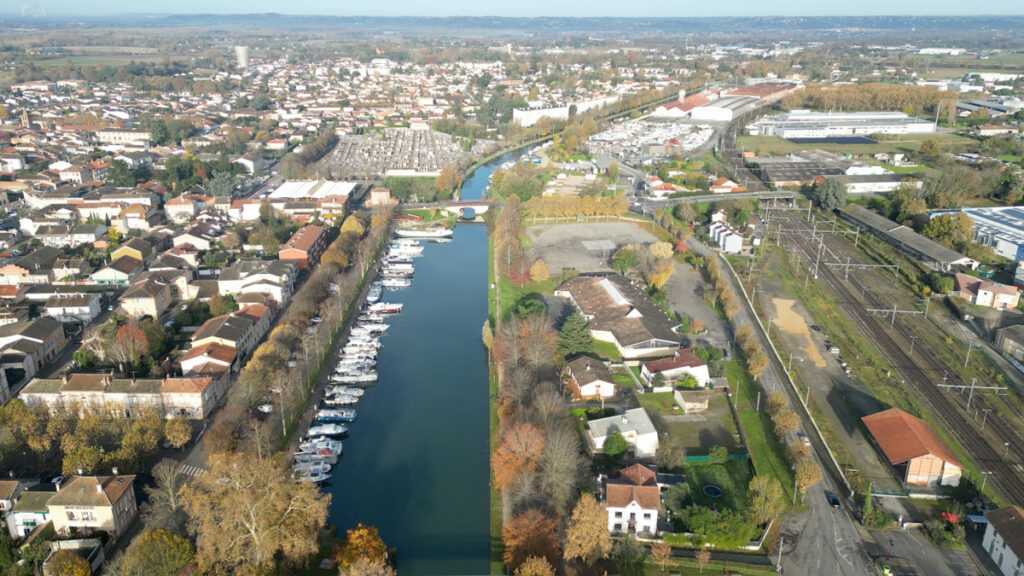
(416, 462)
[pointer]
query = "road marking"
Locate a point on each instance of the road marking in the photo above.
(193, 471)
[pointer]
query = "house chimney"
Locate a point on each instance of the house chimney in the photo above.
(588, 364)
(99, 488)
(625, 420)
(64, 378)
(114, 470)
(80, 472)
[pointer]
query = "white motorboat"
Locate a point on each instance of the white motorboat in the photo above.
(424, 232)
(336, 415)
(325, 456)
(368, 317)
(400, 266)
(394, 273)
(321, 444)
(394, 283)
(327, 429)
(406, 241)
(314, 477)
(366, 378)
(386, 308)
(374, 294)
(359, 349)
(374, 327)
(341, 400)
(332, 390)
(311, 467)
(405, 250)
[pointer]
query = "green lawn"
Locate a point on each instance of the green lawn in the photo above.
(689, 567)
(660, 403)
(607, 350)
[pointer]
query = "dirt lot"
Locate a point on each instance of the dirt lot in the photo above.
(585, 247)
(794, 325)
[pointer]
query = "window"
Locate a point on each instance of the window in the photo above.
(71, 516)
(647, 515)
(618, 514)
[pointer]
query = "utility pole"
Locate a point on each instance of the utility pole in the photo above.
(985, 417)
(984, 479)
(970, 395)
(968, 357)
(913, 339)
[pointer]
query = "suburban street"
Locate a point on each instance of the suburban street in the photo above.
(822, 540)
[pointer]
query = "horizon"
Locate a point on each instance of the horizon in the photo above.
(640, 9)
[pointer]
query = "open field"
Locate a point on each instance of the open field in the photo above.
(765, 145)
(102, 60)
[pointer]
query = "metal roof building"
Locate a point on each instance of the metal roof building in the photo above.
(928, 251)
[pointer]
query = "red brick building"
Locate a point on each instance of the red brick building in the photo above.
(305, 247)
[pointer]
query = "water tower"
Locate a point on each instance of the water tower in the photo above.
(242, 56)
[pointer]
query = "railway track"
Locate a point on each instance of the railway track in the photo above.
(921, 370)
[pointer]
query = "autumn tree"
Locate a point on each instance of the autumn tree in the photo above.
(696, 326)
(785, 421)
(163, 507)
(765, 499)
(129, 345)
(531, 533)
(157, 552)
(561, 462)
(776, 402)
(535, 566)
(68, 563)
(447, 182)
(539, 271)
(367, 567)
(757, 363)
(246, 511)
(587, 537)
(178, 432)
(220, 305)
(807, 474)
(658, 273)
(352, 224)
(521, 448)
(930, 148)
(703, 556)
(661, 552)
(362, 542)
(661, 250)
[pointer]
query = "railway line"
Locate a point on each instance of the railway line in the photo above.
(923, 369)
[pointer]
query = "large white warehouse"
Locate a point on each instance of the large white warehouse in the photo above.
(808, 124)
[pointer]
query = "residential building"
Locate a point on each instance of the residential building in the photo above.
(634, 425)
(73, 308)
(985, 293)
(120, 272)
(676, 367)
(728, 238)
(272, 277)
(619, 311)
(916, 452)
(305, 246)
(252, 163)
(94, 504)
(28, 346)
(32, 268)
(149, 297)
(192, 397)
(209, 358)
(589, 378)
(1004, 539)
(633, 501)
(30, 511)
(228, 330)
(136, 248)
(10, 491)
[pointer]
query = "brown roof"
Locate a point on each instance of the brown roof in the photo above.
(620, 306)
(8, 488)
(81, 491)
(185, 385)
(683, 358)
(1009, 523)
(304, 238)
(213, 350)
(903, 437)
(635, 484)
(586, 370)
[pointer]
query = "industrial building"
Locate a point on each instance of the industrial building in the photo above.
(723, 109)
(808, 124)
(1000, 228)
(928, 251)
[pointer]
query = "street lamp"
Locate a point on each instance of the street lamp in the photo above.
(789, 367)
(984, 478)
(1006, 449)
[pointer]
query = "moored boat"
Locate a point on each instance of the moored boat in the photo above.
(336, 415)
(424, 232)
(327, 429)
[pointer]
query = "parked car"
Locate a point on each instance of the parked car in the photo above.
(833, 500)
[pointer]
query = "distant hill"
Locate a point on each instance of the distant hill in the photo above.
(612, 27)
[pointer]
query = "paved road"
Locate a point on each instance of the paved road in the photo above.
(822, 540)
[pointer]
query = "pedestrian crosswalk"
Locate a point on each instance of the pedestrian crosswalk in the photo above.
(193, 471)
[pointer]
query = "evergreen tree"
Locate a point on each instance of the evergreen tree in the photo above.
(574, 338)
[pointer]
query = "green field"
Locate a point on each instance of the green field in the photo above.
(770, 145)
(100, 60)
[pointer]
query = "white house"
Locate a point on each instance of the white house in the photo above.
(76, 308)
(676, 367)
(29, 511)
(589, 378)
(634, 425)
(727, 238)
(633, 501)
(1004, 539)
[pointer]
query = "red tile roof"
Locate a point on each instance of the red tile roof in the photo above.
(636, 484)
(903, 437)
(683, 358)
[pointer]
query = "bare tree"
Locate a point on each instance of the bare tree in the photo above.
(539, 339)
(164, 507)
(561, 466)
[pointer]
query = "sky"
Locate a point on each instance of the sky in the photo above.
(632, 8)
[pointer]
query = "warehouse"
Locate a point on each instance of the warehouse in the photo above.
(927, 251)
(724, 109)
(808, 124)
(1001, 229)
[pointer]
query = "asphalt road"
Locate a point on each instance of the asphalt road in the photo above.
(822, 540)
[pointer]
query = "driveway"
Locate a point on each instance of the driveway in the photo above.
(684, 294)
